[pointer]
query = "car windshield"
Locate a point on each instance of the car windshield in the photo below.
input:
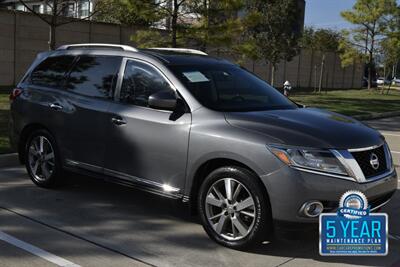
(230, 88)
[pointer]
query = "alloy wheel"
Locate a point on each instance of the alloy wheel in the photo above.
(41, 158)
(230, 209)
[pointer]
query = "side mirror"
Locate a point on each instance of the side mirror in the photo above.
(163, 100)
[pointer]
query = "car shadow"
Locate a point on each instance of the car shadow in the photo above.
(157, 229)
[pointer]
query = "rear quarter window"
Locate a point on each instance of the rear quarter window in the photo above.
(94, 76)
(51, 72)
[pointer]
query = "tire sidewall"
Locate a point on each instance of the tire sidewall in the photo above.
(53, 179)
(262, 222)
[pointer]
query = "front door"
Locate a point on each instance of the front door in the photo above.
(146, 145)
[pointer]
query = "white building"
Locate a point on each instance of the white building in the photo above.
(73, 8)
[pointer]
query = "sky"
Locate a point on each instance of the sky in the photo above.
(326, 13)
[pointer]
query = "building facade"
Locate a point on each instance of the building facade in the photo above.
(74, 9)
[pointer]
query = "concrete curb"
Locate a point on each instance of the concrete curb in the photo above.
(9, 160)
(377, 115)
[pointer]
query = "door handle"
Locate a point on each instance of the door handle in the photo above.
(118, 121)
(55, 106)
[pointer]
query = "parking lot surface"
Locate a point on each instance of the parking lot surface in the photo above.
(89, 222)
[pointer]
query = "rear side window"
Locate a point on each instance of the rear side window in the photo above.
(51, 72)
(94, 76)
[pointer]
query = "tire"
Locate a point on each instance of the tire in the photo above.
(42, 160)
(238, 229)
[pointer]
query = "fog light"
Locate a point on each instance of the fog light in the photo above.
(312, 208)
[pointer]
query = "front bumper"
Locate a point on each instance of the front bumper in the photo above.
(289, 189)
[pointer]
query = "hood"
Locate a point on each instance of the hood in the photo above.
(308, 127)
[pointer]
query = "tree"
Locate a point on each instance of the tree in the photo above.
(55, 17)
(391, 52)
(126, 12)
(390, 47)
(174, 16)
(218, 26)
(371, 19)
(323, 40)
(272, 28)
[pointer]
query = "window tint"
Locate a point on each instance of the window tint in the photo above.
(51, 72)
(229, 88)
(140, 81)
(94, 76)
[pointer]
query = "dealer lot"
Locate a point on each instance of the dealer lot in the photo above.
(93, 223)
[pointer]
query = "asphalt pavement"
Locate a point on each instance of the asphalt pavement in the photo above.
(90, 222)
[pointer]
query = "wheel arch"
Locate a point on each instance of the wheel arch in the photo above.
(210, 165)
(25, 133)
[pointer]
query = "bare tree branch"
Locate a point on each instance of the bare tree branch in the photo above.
(34, 12)
(78, 19)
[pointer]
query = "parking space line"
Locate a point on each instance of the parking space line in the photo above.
(36, 251)
(396, 152)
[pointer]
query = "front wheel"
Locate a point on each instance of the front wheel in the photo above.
(42, 159)
(234, 210)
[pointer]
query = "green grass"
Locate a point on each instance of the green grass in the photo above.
(4, 115)
(351, 102)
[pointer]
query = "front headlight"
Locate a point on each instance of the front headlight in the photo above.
(311, 159)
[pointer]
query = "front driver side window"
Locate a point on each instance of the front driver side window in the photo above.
(141, 81)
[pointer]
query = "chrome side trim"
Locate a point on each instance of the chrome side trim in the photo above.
(363, 148)
(145, 182)
(148, 185)
(83, 165)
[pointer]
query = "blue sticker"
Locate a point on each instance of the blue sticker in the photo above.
(353, 230)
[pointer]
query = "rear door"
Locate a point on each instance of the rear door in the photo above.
(90, 88)
(147, 145)
(43, 93)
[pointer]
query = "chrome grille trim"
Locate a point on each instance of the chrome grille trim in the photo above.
(352, 166)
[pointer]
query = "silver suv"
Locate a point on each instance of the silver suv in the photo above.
(199, 129)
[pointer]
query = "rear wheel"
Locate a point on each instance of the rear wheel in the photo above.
(234, 210)
(42, 159)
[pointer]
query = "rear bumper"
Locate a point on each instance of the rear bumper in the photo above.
(289, 189)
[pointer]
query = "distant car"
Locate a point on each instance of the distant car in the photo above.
(365, 82)
(396, 81)
(382, 81)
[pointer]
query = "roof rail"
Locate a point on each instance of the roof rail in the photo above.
(180, 50)
(99, 46)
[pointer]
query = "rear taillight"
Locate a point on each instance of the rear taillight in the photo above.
(15, 93)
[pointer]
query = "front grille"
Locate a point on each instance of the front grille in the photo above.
(363, 159)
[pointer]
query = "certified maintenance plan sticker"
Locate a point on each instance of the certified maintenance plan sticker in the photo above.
(353, 231)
